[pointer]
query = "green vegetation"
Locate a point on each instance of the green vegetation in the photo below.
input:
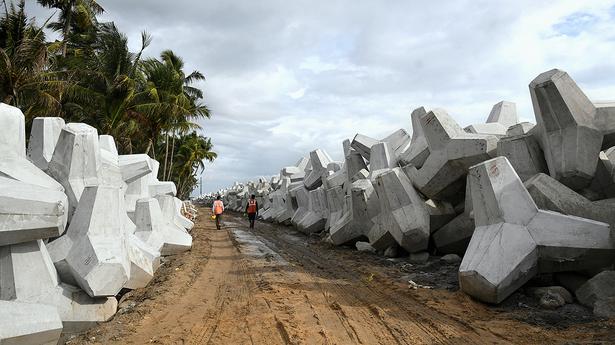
(147, 105)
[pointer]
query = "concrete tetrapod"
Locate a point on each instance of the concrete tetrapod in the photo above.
(316, 216)
(157, 232)
(20, 168)
(13, 161)
(13, 134)
(29, 212)
(133, 168)
(138, 183)
(94, 250)
(418, 150)
(76, 161)
(169, 213)
(319, 160)
(565, 128)
(31, 324)
(352, 214)
(550, 194)
(157, 187)
(179, 217)
(535, 240)
(144, 259)
(28, 276)
(451, 152)
(454, 236)
(524, 154)
(402, 211)
(44, 136)
(503, 115)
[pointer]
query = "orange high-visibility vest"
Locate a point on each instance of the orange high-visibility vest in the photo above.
(218, 207)
(251, 206)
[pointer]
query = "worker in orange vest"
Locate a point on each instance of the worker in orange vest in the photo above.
(218, 209)
(252, 210)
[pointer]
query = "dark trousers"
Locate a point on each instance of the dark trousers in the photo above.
(218, 218)
(251, 218)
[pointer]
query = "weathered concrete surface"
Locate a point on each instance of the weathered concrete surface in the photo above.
(26, 323)
(20, 168)
(605, 122)
(29, 212)
(133, 169)
(452, 152)
(502, 116)
(76, 161)
(536, 240)
(402, 211)
(418, 151)
(354, 219)
(93, 252)
(381, 158)
(524, 154)
(520, 129)
(319, 160)
(550, 194)
(44, 136)
(169, 211)
(565, 128)
(28, 275)
(599, 292)
(363, 145)
(440, 214)
(160, 234)
(603, 184)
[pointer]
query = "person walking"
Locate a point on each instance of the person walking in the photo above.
(218, 209)
(252, 210)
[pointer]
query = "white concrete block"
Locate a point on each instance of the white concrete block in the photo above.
(536, 240)
(76, 161)
(566, 128)
(13, 134)
(44, 136)
(26, 323)
(94, 250)
(28, 276)
(29, 212)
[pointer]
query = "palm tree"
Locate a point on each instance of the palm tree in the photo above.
(76, 21)
(107, 85)
(25, 80)
(173, 102)
(193, 151)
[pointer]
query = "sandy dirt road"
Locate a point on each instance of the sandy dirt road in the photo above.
(274, 286)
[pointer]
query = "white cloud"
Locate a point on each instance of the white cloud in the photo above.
(286, 77)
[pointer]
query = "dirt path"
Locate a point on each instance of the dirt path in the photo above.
(273, 286)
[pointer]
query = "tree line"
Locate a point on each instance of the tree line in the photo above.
(149, 105)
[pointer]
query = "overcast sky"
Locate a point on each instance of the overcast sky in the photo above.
(285, 77)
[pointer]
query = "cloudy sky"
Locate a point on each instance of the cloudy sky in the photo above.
(285, 77)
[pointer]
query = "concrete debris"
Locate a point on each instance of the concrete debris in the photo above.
(365, 247)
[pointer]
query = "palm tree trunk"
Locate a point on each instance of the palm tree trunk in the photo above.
(171, 161)
(166, 155)
(69, 17)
